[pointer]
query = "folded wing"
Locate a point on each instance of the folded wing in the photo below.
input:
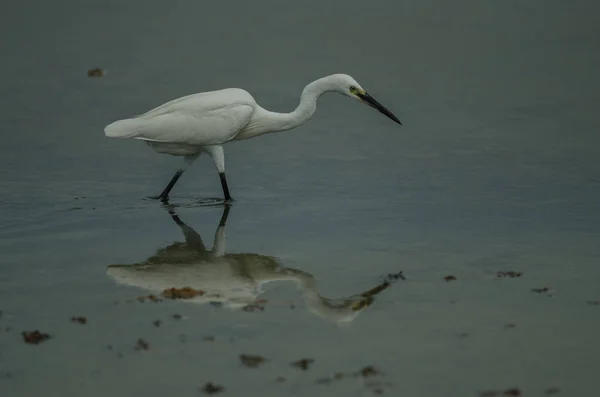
(202, 119)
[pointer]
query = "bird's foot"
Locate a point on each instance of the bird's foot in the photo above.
(164, 199)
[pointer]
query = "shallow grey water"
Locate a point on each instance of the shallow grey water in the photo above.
(495, 169)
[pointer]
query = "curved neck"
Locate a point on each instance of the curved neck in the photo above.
(304, 111)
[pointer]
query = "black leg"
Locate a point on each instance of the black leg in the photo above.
(178, 221)
(224, 215)
(224, 186)
(165, 193)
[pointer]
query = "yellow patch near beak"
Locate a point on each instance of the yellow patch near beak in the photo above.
(357, 92)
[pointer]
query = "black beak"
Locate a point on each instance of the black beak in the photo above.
(369, 100)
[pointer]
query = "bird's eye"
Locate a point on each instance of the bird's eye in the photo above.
(352, 88)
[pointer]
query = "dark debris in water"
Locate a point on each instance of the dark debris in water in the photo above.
(594, 303)
(368, 371)
(552, 390)
(182, 293)
(509, 274)
(96, 72)
(514, 391)
(280, 379)
(157, 323)
(141, 344)
(544, 290)
(540, 290)
(510, 326)
(252, 361)
(303, 364)
(449, 278)
(211, 388)
(79, 319)
(35, 337)
(209, 338)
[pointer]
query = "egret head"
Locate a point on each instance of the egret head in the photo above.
(350, 87)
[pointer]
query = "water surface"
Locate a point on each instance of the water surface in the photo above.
(495, 169)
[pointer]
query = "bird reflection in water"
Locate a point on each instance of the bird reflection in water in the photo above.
(231, 280)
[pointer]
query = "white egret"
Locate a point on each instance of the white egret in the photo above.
(203, 122)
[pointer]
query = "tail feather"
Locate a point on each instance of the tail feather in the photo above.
(121, 129)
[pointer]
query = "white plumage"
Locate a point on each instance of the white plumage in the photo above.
(209, 118)
(203, 122)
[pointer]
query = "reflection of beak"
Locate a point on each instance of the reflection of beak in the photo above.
(363, 303)
(369, 100)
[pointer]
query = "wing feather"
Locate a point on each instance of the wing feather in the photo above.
(201, 119)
